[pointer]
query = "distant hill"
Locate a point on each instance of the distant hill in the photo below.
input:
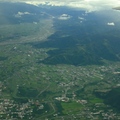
(78, 51)
(16, 13)
(82, 55)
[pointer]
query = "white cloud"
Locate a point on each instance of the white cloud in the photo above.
(64, 17)
(89, 5)
(81, 18)
(19, 14)
(111, 23)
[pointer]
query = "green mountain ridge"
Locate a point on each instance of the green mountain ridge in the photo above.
(81, 52)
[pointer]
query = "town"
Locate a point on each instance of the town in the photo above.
(66, 92)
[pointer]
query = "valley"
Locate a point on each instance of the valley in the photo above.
(58, 63)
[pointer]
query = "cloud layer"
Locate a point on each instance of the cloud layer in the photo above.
(89, 5)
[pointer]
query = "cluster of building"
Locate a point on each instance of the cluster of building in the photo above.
(10, 110)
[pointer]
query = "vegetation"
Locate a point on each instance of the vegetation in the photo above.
(53, 69)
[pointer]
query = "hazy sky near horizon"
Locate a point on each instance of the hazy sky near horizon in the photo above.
(90, 5)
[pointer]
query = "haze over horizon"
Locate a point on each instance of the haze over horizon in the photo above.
(89, 5)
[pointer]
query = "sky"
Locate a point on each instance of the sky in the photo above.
(89, 5)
